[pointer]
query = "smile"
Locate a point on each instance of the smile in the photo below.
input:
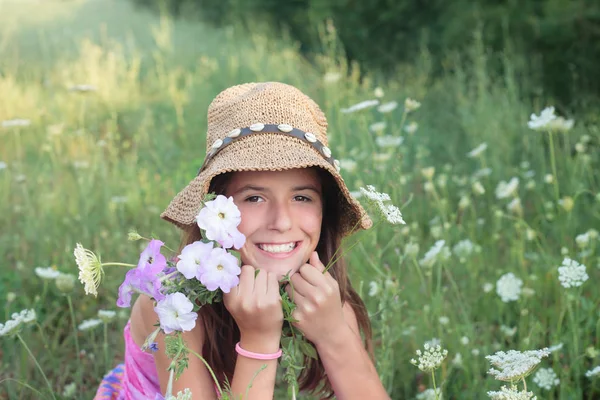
(279, 250)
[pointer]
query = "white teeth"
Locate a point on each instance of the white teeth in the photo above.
(278, 248)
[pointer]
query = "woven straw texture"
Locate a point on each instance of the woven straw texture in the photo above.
(268, 103)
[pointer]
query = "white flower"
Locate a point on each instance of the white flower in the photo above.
(541, 122)
(508, 331)
(432, 254)
(391, 213)
(13, 326)
(360, 106)
(90, 269)
(411, 105)
(514, 365)
(411, 249)
(89, 324)
(185, 395)
(488, 287)
(220, 219)
(389, 141)
(176, 313)
(47, 273)
(478, 188)
(378, 92)
(192, 257)
(431, 358)
(511, 394)
(515, 206)
(373, 288)
(331, 77)
(378, 126)
(571, 273)
(477, 150)
(508, 287)
(548, 178)
(348, 165)
(554, 348)
(592, 373)
(15, 122)
(546, 378)
(411, 128)
(464, 249)
(507, 189)
(221, 270)
(430, 394)
(69, 390)
(357, 194)
(428, 172)
(106, 315)
(370, 193)
(444, 320)
(3, 165)
(464, 340)
(559, 124)
(582, 240)
(83, 88)
(387, 107)
(381, 157)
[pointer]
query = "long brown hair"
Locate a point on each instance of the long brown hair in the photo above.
(221, 331)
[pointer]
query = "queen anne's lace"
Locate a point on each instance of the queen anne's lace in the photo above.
(514, 365)
(571, 273)
(431, 358)
(511, 394)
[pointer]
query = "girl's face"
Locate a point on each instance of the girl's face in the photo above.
(281, 217)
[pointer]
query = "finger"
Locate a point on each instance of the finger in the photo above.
(246, 286)
(303, 286)
(272, 283)
(315, 261)
(312, 275)
(294, 295)
(260, 282)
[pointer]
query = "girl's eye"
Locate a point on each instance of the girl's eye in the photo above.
(302, 198)
(253, 199)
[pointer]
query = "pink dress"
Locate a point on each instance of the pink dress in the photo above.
(136, 379)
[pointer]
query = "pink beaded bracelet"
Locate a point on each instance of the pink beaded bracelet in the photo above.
(257, 356)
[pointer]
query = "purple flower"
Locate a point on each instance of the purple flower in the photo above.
(176, 313)
(221, 270)
(153, 347)
(220, 219)
(192, 258)
(145, 278)
(151, 258)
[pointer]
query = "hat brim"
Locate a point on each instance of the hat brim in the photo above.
(262, 152)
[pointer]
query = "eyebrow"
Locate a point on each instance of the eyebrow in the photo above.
(263, 189)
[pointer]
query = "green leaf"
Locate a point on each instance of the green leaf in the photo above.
(308, 350)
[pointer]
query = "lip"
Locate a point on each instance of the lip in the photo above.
(280, 255)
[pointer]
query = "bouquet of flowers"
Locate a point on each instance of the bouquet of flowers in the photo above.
(200, 275)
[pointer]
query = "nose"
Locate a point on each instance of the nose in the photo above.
(280, 217)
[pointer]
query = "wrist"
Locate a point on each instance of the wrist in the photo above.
(336, 339)
(260, 343)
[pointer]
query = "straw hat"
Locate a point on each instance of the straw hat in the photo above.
(267, 126)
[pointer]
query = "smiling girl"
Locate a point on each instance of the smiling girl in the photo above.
(267, 149)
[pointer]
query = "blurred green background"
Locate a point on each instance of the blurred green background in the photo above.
(103, 115)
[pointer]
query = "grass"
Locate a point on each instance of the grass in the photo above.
(92, 165)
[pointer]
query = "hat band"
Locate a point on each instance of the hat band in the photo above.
(258, 128)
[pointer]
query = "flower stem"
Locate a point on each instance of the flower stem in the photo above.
(553, 163)
(75, 337)
(37, 364)
(434, 387)
(119, 264)
(209, 370)
(105, 346)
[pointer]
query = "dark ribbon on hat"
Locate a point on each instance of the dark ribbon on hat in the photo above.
(269, 128)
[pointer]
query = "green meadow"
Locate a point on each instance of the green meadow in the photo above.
(102, 122)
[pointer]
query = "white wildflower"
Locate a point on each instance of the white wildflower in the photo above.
(15, 123)
(46, 273)
(357, 194)
(508, 331)
(391, 213)
(348, 165)
(176, 313)
(89, 324)
(592, 373)
(411, 249)
(560, 124)
(464, 249)
(432, 254)
(544, 119)
(514, 365)
(186, 394)
(511, 394)
(507, 189)
(478, 188)
(378, 126)
(457, 360)
(370, 193)
(378, 92)
(373, 288)
(431, 358)
(69, 390)
(582, 240)
(548, 178)
(90, 269)
(508, 287)
(444, 320)
(477, 151)
(65, 283)
(106, 315)
(554, 348)
(360, 106)
(430, 394)
(482, 173)
(411, 105)
(571, 273)
(411, 128)
(331, 77)
(488, 287)
(387, 107)
(546, 378)
(515, 206)
(464, 340)
(428, 172)
(389, 141)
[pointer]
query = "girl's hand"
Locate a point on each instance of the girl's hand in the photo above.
(317, 297)
(255, 304)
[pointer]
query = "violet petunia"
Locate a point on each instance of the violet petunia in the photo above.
(139, 281)
(151, 259)
(192, 258)
(176, 313)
